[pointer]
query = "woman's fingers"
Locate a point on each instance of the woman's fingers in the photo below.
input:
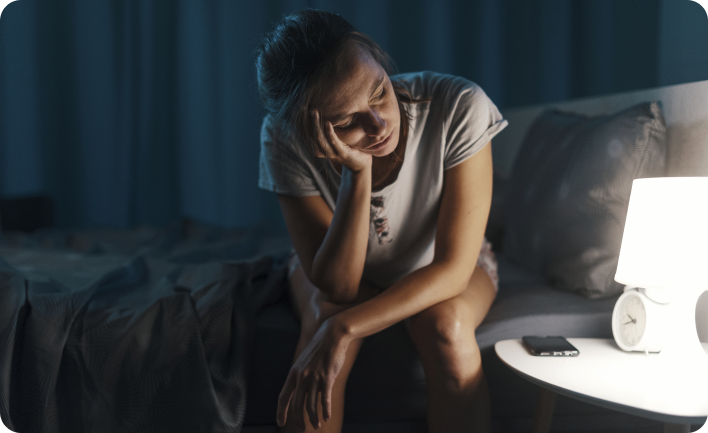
(332, 137)
(293, 397)
(326, 150)
(297, 413)
(352, 158)
(326, 397)
(284, 399)
(312, 406)
(320, 150)
(299, 397)
(330, 146)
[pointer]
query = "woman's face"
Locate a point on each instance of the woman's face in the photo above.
(362, 106)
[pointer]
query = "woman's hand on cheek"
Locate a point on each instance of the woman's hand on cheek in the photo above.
(331, 147)
(313, 372)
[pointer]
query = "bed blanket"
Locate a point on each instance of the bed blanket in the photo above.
(145, 330)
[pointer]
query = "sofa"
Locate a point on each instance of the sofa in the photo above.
(386, 388)
(188, 327)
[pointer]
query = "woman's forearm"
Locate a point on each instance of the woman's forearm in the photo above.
(412, 294)
(339, 263)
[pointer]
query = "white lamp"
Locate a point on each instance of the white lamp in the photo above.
(665, 250)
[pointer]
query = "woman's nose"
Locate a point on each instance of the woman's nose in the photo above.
(377, 124)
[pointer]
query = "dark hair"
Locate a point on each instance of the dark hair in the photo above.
(298, 54)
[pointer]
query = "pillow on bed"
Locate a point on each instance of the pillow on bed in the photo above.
(568, 194)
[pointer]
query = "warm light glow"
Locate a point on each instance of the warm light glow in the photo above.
(665, 242)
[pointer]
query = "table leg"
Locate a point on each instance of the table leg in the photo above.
(676, 428)
(544, 411)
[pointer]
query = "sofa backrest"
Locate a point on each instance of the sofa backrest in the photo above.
(685, 108)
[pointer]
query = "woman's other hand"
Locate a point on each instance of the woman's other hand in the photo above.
(331, 147)
(313, 373)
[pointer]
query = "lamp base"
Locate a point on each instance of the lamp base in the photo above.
(682, 337)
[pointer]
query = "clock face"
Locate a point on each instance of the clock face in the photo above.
(632, 321)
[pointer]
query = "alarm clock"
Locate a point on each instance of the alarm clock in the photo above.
(640, 320)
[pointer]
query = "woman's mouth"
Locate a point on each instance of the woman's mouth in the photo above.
(380, 145)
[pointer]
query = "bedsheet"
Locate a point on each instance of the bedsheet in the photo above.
(143, 330)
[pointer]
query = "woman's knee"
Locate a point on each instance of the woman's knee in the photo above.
(445, 338)
(446, 325)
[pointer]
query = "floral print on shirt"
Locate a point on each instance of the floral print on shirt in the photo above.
(380, 220)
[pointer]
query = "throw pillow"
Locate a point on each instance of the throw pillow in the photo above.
(568, 194)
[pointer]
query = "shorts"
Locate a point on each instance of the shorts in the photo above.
(486, 260)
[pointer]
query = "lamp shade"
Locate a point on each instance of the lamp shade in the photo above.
(665, 241)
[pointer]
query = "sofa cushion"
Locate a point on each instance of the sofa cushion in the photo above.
(495, 223)
(528, 305)
(568, 194)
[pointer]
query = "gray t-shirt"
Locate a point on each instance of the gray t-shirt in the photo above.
(458, 121)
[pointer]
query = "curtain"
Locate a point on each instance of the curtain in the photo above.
(132, 112)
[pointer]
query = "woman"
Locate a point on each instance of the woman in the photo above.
(385, 184)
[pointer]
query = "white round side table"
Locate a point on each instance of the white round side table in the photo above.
(607, 376)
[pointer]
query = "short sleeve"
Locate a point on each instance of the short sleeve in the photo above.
(281, 169)
(473, 121)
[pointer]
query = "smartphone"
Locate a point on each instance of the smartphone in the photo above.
(549, 346)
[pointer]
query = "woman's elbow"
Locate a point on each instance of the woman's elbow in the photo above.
(337, 290)
(341, 297)
(340, 292)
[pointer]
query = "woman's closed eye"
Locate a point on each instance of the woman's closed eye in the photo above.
(346, 125)
(351, 121)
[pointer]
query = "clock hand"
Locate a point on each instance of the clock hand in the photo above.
(630, 317)
(628, 322)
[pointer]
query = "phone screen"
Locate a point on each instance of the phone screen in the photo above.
(550, 346)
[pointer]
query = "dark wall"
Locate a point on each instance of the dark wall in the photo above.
(129, 112)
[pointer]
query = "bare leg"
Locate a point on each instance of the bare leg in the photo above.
(312, 309)
(444, 334)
